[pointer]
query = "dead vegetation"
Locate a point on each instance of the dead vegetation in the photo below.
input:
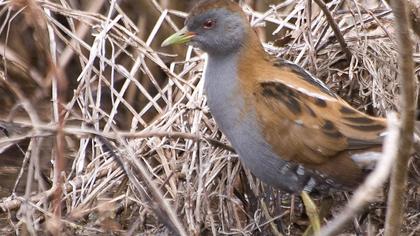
(138, 149)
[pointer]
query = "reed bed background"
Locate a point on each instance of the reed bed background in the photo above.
(89, 101)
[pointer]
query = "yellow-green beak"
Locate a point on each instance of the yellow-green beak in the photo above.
(182, 36)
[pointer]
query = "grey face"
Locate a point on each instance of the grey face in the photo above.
(218, 31)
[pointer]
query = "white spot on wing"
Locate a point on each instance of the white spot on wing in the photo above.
(299, 122)
(308, 93)
(315, 94)
(366, 159)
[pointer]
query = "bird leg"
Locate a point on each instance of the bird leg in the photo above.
(312, 212)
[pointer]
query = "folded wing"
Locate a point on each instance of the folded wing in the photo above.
(307, 123)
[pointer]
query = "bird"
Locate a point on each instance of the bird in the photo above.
(288, 128)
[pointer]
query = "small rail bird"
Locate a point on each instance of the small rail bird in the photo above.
(288, 127)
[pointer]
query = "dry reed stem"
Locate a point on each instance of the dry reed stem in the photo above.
(409, 93)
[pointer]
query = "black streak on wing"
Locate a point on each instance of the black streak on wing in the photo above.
(358, 144)
(347, 110)
(319, 102)
(376, 127)
(359, 120)
(330, 130)
(336, 134)
(293, 105)
(328, 125)
(282, 93)
(311, 112)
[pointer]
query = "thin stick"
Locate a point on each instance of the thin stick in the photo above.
(335, 28)
(266, 213)
(74, 130)
(398, 187)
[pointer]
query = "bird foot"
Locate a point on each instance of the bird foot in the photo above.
(312, 212)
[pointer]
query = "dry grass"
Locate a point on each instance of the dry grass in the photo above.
(143, 153)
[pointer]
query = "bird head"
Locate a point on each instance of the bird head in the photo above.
(214, 26)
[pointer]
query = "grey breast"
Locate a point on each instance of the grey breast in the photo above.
(225, 105)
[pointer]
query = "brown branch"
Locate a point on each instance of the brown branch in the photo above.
(398, 185)
(335, 28)
(59, 165)
(75, 130)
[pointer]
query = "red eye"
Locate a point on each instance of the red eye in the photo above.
(208, 24)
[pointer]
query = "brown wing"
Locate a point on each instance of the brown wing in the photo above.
(312, 127)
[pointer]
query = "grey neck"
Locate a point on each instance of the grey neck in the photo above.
(221, 67)
(221, 87)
